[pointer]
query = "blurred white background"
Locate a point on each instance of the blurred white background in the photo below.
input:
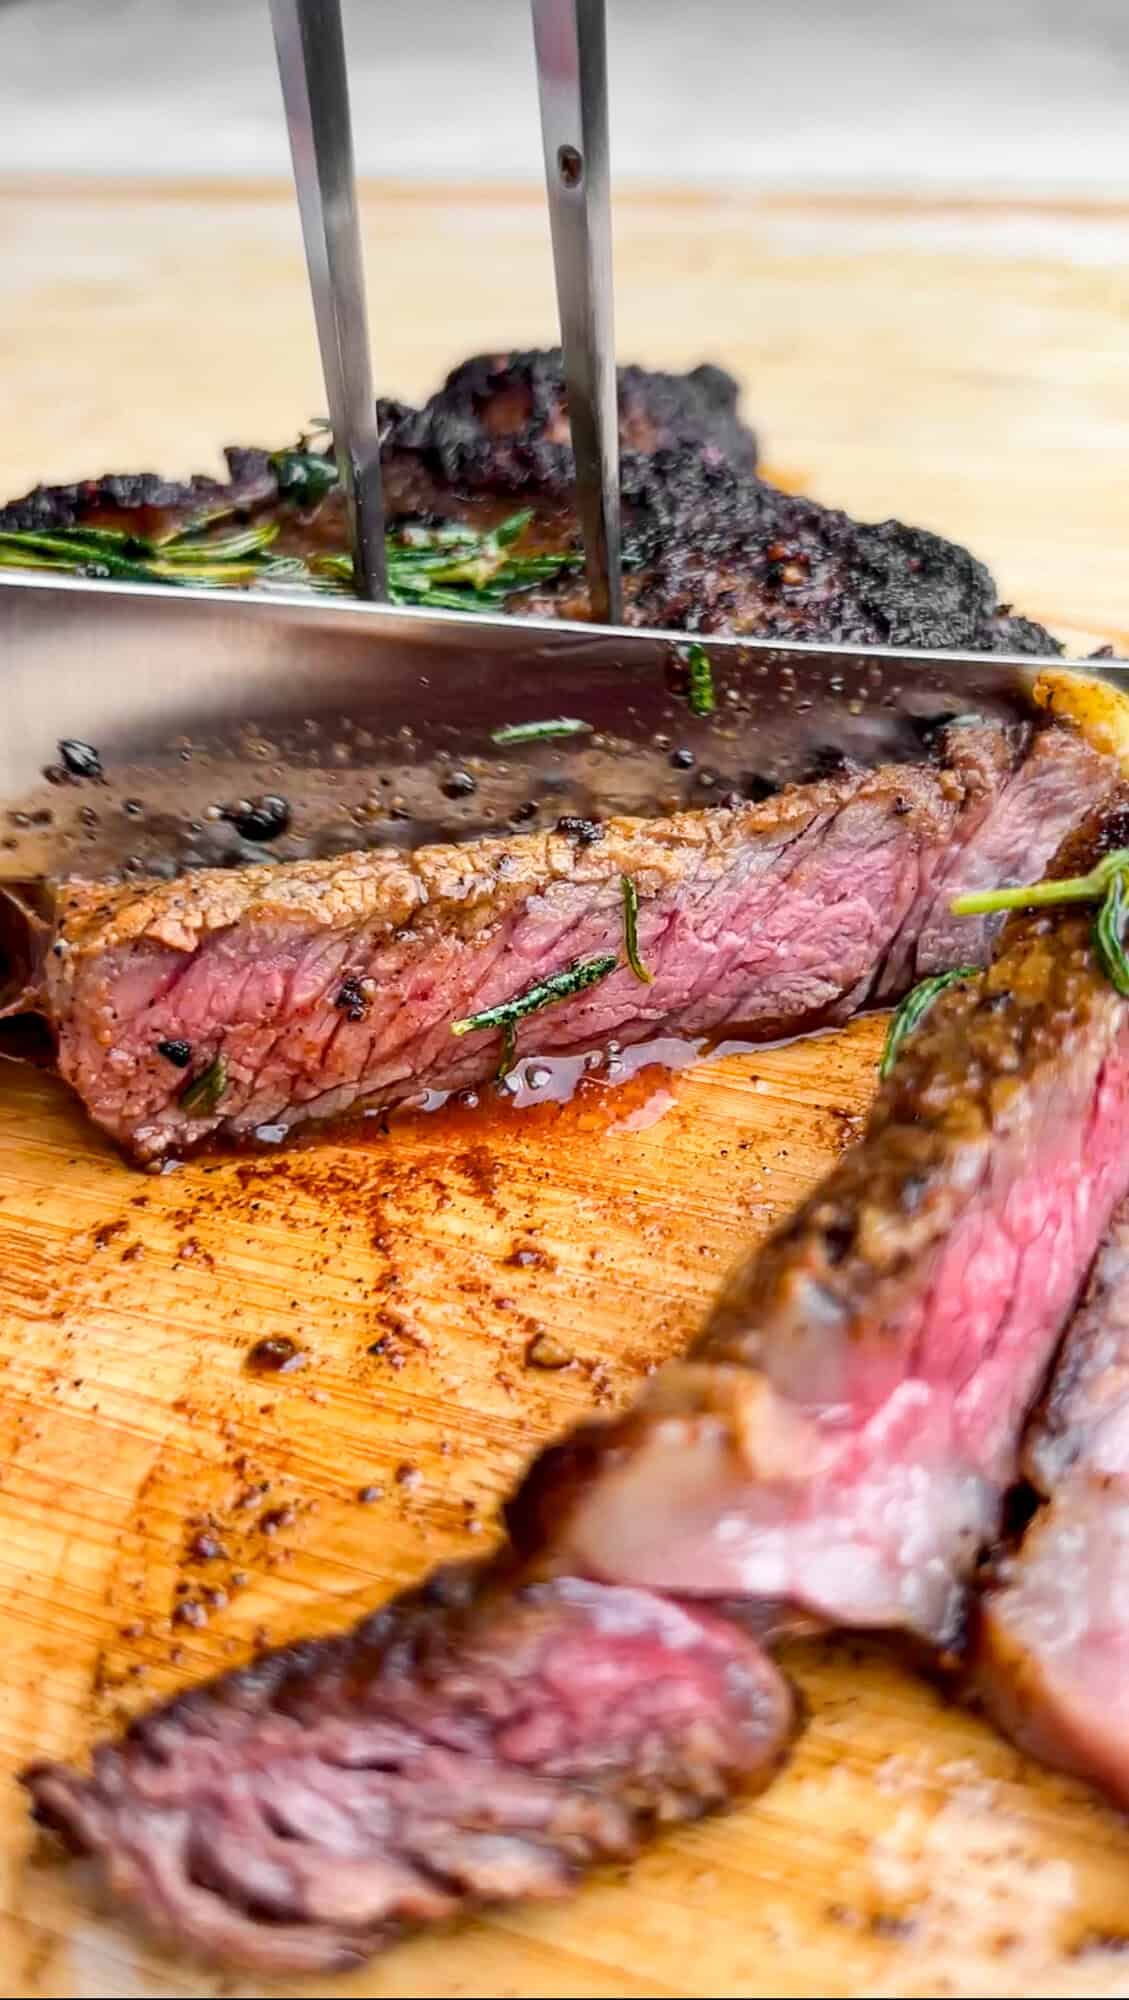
(991, 95)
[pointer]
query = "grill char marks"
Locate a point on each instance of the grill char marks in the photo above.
(1052, 1640)
(841, 1439)
(778, 917)
(708, 545)
(501, 420)
(469, 1747)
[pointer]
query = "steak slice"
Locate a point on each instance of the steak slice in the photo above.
(708, 546)
(838, 1444)
(237, 1000)
(472, 1746)
(1051, 1653)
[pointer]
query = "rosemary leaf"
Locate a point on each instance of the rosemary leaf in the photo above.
(509, 1045)
(202, 1093)
(539, 732)
(913, 1010)
(515, 526)
(701, 695)
(1109, 933)
(631, 931)
(187, 531)
(544, 993)
(248, 541)
(303, 476)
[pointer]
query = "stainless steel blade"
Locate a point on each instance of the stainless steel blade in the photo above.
(311, 63)
(570, 44)
(380, 726)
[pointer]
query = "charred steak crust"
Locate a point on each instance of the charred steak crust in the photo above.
(843, 1435)
(708, 545)
(474, 1744)
(500, 421)
(495, 401)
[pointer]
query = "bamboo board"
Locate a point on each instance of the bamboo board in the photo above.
(907, 1850)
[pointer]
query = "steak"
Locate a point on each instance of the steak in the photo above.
(465, 1747)
(708, 545)
(1051, 1655)
(237, 1000)
(838, 1445)
(834, 1452)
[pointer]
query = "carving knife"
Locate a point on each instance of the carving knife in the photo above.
(376, 725)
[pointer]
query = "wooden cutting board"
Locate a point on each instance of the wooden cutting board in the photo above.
(963, 366)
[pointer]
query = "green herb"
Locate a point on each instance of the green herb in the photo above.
(1109, 934)
(450, 568)
(202, 1093)
(631, 931)
(913, 1009)
(186, 556)
(1069, 889)
(544, 993)
(1107, 885)
(539, 732)
(701, 696)
(303, 476)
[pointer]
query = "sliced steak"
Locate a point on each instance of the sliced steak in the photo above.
(840, 1440)
(234, 1000)
(1051, 1654)
(835, 1451)
(708, 546)
(469, 1749)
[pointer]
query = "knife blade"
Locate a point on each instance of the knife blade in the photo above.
(380, 726)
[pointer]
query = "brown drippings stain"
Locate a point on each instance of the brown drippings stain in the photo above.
(531, 1257)
(276, 1518)
(205, 1547)
(275, 1354)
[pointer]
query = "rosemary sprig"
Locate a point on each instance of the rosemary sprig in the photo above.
(451, 568)
(182, 557)
(701, 695)
(202, 1093)
(544, 993)
(539, 732)
(1107, 885)
(631, 931)
(913, 1010)
(1109, 933)
(1031, 895)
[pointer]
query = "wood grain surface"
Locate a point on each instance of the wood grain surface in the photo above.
(960, 366)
